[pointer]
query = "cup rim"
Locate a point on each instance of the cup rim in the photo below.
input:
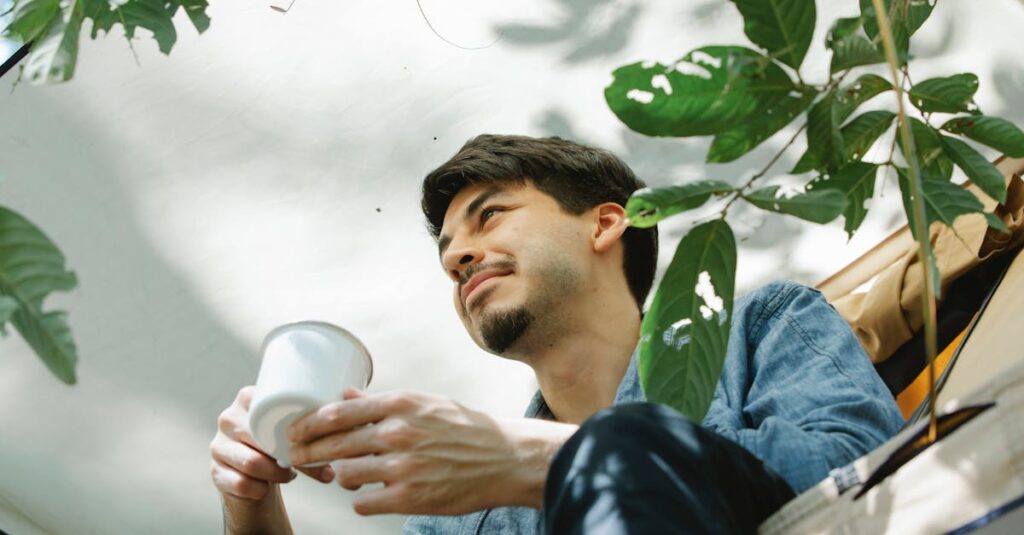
(276, 331)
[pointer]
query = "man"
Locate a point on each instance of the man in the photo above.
(547, 271)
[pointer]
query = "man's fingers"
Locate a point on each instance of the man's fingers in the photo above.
(355, 443)
(354, 473)
(244, 397)
(379, 501)
(250, 462)
(230, 481)
(323, 474)
(339, 416)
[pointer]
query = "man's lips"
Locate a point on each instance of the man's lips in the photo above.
(477, 279)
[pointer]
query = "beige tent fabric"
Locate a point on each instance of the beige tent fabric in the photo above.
(888, 314)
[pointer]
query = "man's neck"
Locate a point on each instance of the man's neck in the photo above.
(579, 373)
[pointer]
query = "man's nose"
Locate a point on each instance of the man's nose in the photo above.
(459, 257)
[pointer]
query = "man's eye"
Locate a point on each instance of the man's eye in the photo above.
(488, 213)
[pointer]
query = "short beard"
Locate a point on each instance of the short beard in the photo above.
(504, 328)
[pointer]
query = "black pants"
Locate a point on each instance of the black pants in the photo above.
(643, 468)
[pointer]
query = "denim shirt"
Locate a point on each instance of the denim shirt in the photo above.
(796, 390)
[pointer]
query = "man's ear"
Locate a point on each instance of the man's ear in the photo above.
(611, 224)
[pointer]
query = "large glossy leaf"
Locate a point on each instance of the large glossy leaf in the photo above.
(818, 206)
(943, 201)
(737, 141)
(54, 54)
(949, 94)
(30, 18)
(856, 181)
(647, 206)
(710, 90)
(994, 132)
(31, 267)
(860, 133)
(782, 27)
(685, 333)
(930, 155)
(976, 167)
(824, 140)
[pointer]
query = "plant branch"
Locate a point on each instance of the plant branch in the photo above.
(924, 254)
(739, 191)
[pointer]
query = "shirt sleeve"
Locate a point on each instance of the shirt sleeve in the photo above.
(797, 389)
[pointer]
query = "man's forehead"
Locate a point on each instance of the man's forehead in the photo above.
(469, 198)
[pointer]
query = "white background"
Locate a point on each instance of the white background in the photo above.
(269, 170)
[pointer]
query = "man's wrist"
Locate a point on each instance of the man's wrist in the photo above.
(535, 443)
(263, 516)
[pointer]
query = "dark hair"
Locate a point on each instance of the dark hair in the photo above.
(577, 176)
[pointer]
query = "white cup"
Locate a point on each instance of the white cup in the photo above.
(306, 365)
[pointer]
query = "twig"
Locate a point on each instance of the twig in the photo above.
(739, 191)
(441, 37)
(124, 25)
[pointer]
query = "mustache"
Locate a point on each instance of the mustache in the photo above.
(472, 270)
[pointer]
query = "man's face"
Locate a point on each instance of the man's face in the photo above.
(515, 256)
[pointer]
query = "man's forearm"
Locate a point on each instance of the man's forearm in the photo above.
(260, 517)
(537, 442)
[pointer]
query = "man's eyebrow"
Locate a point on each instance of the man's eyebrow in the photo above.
(471, 208)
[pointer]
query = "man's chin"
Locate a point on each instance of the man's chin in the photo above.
(499, 330)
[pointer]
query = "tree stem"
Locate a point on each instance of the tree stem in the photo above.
(918, 220)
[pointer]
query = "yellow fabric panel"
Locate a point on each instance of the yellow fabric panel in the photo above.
(912, 396)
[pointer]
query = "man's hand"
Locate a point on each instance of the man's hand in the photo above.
(240, 469)
(433, 455)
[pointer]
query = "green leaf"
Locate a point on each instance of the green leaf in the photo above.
(856, 181)
(7, 307)
(31, 267)
(932, 158)
(103, 17)
(994, 132)
(710, 90)
(733, 143)
(53, 56)
(849, 49)
(841, 29)
(647, 206)
(820, 206)
(824, 140)
(943, 200)
(853, 51)
(861, 90)
(949, 94)
(976, 167)
(847, 99)
(685, 333)
(862, 132)
(196, 11)
(905, 17)
(29, 18)
(153, 15)
(782, 27)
